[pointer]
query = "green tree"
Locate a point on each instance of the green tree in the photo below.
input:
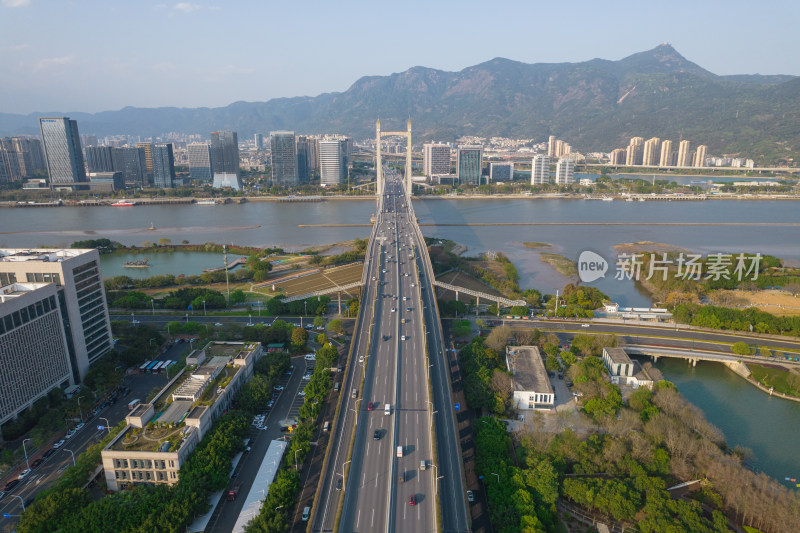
(299, 337)
(741, 348)
(237, 297)
(551, 363)
(336, 326)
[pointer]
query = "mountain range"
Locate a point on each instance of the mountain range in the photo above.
(594, 105)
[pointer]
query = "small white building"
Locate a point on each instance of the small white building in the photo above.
(624, 371)
(532, 388)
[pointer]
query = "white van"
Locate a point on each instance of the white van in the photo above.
(326, 426)
(387, 409)
(399, 451)
(311, 357)
(306, 513)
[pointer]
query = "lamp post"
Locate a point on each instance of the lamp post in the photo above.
(356, 409)
(498, 476)
(153, 305)
(108, 426)
(80, 412)
(73, 455)
(279, 507)
(26, 456)
(204, 308)
(20, 501)
(295, 459)
(345, 464)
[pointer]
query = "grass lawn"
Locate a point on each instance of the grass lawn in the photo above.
(782, 380)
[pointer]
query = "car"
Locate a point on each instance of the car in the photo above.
(405, 298)
(301, 393)
(278, 387)
(403, 337)
(408, 309)
(49, 452)
(370, 406)
(36, 463)
(376, 435)
(585, 325)
(306, 377)
(79, 426)
(263, 428)
(394, 310)
(11, 484)
(135, 322)
(339, 484)
(70, 434)
(470, 496)
(2, 494)
(218, 324)
(24, 473)
(412, 500)
(360, 358)
(373, 278)
(284, 429)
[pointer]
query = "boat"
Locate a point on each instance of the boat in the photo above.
(139, 263)
(206, 202)
(628, 199)
(607, 199)
(123, 203)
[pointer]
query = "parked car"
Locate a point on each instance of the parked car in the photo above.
(36, 463)
(59, 444)
(49, 452)
(470, 496)
(24, 473)
(11, 484)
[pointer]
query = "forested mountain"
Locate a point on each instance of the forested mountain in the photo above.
(594, 105)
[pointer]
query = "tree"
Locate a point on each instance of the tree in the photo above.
(319, 321)
(237, 297)
(322, 339)
(336, 326)
(498, 338)
(299, 337)
(275, 306)
(741, 348)
(551, 363)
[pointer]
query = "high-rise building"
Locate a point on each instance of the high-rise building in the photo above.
(163, 165)
(131, 162)
(551, 146)
(565, 171)
(618, 156)
(469, 164)
(98, 159)
(199, 161)
(62, 148)
(33, 346)
(147, 147)
(303, 174)
(633, 155)
(700, 156)
(540, 170)
(20, 157)
(258, 140)
(435, 159)
(284, 158)
(684, 149)
(501, 172)
(651, 152)
(9, 162)
(313, 155)
(81, 297)
(332, 161)
(666, 154)
(225, 158)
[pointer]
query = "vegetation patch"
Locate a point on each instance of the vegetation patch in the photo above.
(784, 381)
(537, 245)
(563, 265)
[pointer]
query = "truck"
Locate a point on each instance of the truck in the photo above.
(134, 403)
(234, 491)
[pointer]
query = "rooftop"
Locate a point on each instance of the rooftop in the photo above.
(618, 356)
(149, 438)
(15, 290)
(46, 255)
(529, 372)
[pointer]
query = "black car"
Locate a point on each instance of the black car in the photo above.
(49, 452)
(377, 434)
(11, 484)
(339, 484)
(36, 463)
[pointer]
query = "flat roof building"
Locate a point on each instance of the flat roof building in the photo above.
(469, 164)
(186, 408)
(532, 388)
(34, 358)
(81, 295)
(624, 371)
(435, 159)
(501, 172)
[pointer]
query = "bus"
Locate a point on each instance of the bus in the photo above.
(144, 366)
(159, 366)
(151, 366)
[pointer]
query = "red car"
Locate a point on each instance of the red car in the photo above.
(369, 406)
(412, 500)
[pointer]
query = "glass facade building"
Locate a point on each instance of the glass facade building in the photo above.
(62, 148)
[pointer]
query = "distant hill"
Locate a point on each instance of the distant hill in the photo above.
(593, 105)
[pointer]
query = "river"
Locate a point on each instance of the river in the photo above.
(747, 416)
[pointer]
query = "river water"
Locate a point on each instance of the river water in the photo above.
(747, 416)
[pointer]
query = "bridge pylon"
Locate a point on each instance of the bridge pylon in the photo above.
(380, 180)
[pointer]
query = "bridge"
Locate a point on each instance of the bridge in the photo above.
(478, 295)
(396, 467)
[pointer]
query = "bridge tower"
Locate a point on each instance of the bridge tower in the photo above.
(378, 160)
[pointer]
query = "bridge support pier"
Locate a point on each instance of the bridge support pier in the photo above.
(498, 308)
(655, 358)
(456, 295)
(339, 306)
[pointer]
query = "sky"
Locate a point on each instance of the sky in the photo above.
(96, 55)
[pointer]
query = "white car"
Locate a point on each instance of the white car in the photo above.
(301, 393)
(277, 388)
(403, 338)
(79, 426)
(218, 324)
(360, 358)
(24, 473)
(394, 310)
(405, 298)
(585, 325)
(59, 444)
(70, 434)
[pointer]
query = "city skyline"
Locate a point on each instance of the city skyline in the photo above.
(199, 72)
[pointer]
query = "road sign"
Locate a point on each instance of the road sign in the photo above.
(458, 407)
(101, 428)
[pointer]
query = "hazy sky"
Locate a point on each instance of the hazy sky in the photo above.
(94, 55)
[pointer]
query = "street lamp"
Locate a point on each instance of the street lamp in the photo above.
(20, 501)
(73, 456)
(279, 507)
(356, 409)
(295, 459)
(26, 456)
(498, 476)
(345, 464)
(204, 308)
(80, 412)
(108, 426)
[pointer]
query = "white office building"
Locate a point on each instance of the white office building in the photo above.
(34, 357)
(532, 388)
(332, 161)
(435, 159)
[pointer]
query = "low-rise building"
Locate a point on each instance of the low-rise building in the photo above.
(162, 434)
(624, 371)
(532, 388)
